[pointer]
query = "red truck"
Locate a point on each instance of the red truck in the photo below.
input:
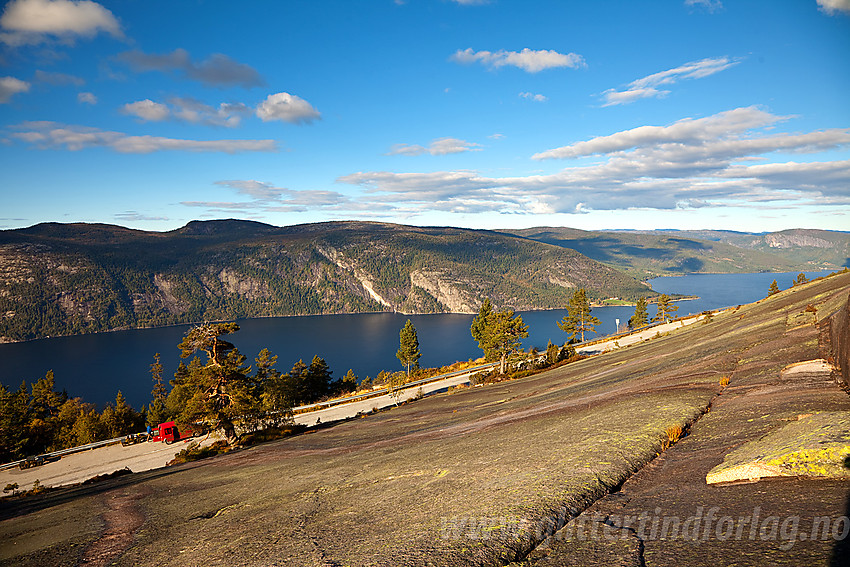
(169, 432)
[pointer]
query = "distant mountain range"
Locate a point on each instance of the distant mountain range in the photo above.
(59, 279)
(644, 254)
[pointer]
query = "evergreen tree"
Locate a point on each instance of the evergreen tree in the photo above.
(157, 413)
(773, 289)
(498, 334)
(665, 308)
(552, 353)
(578, 319)
(221, 390)
(479, 327)
(14, 421)
(348, 383)
(317, 379)
(641, 317)
(801, 279)
(408, 351)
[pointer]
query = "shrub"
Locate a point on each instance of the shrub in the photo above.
(194, 452)
(674, 433)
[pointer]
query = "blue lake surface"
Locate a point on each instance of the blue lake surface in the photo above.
(95, 367)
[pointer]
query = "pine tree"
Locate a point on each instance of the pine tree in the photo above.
(408, 351)
(317, 379)
(773, 289)
(578, 319)
(221, 390)
(498, 334)
(641, 317)
(157, 413)
(349, 382)
(665, 308)
(479, 327)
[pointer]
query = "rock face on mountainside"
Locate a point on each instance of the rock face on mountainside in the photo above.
(59, 279)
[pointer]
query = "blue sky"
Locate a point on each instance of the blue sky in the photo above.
(483, 114)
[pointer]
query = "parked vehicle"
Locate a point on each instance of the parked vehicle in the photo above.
(31, 462)
(169, 432)
(134, 438)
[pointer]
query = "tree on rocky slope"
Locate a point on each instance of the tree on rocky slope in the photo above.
(499, 333)
(578, 319)
(641, 317)
(408, 351)
(665, 308)
(773, 289)
(221, 391)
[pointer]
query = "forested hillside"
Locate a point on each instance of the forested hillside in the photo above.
(644, 254)
(58, 279)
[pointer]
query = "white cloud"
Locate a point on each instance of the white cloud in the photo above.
(833, 7)
(527, 59)
(147, 110)
(10, 86)
(35, 21)
(51, 135)
(265, 197)
(647, 87)
(534, 97)
(194, 111)
(58, 79)
(287, 108)
(718, 161)
(217, 70)
(130, 216)
(438, 147)
(686, 131)
(472, 2)
(710, 5)
(188, 110)
(86, 98)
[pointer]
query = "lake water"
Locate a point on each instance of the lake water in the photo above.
(96, 366)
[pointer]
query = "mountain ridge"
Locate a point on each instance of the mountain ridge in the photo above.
(58, 279)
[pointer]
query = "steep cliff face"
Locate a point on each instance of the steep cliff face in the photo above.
(63, 279)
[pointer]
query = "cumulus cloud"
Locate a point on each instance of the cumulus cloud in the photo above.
(649, 87)
(51, 135)
(528, 60)
(438, 147)
(833, 7)
(717, 161)
(534, 97)
(217, 70)
(86, 98)
(58, 79)
(188, 110)
(710, 5)
(29, 22)
(287, 108)
(10, 86)
(147, 110)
